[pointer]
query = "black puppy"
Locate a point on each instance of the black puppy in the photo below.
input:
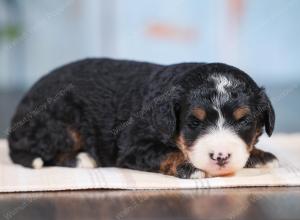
(187, 120)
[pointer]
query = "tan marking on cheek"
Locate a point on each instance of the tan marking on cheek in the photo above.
(199, 113)
(172, 161)
(254, 140)
(241, 112)
(182, 145)
(257, 153)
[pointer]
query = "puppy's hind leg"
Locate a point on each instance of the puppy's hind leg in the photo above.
(84, 160)
(51, 145)
(27, 159)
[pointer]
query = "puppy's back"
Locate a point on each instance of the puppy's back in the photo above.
(87, 97)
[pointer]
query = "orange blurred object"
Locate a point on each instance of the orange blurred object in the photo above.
(171, 32)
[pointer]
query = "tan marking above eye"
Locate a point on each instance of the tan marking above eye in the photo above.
(241, 112)
(199, 113)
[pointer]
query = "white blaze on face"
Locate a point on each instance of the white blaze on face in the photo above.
(219, 139)
(221, 83)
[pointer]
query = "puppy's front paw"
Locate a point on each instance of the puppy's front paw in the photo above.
(262, 159)
(274, 163)
(188, 171)
(176, 165)
(198, 174)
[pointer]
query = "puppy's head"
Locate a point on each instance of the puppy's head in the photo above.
(217, 122)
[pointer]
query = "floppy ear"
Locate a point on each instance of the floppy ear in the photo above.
(164, 119)
(267, 112)
(165, 114)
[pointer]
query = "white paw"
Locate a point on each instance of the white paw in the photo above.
(37, 163)
(198, 175)
(84, 160)
(269, 165)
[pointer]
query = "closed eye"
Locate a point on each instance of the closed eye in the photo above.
(244, 118)
(244, 121)
(194, 122)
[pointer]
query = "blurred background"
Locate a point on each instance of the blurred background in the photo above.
(260, 37)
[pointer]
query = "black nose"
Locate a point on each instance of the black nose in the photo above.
(220, 158)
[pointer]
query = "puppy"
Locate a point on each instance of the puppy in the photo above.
(187, 120)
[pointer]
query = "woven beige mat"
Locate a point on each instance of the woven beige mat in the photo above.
(14, 178)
